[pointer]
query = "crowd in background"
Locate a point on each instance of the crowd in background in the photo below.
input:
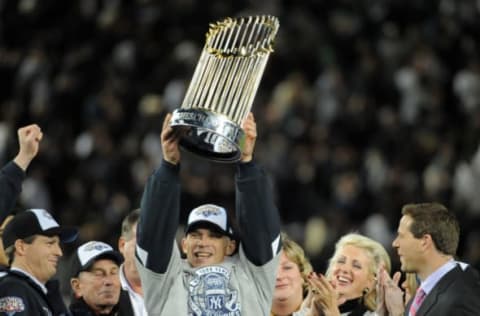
(364, 106)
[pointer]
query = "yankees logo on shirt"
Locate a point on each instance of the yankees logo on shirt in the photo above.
(209, 294)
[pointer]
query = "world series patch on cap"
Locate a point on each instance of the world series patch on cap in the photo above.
(36, 222)
(209, 215)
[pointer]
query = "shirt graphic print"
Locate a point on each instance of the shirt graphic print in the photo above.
(210, 295)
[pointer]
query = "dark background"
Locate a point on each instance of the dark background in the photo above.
(364, 106)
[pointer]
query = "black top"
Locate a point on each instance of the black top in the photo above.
(21, 296)
(78, 307)
(353, 307)
(11, 177)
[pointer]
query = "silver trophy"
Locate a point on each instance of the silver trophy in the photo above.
(224, 85)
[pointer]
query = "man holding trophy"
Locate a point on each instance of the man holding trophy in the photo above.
(227, 271)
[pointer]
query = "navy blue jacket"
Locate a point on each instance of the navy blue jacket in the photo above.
(11, 178)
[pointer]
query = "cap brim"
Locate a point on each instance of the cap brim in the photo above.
(111, 254)
(66, 234)
(207, 225)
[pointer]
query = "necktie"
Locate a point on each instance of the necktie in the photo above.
(417, 301)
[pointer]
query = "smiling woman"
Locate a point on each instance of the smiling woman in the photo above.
(349, 287)
(291, 284)
(351, 276)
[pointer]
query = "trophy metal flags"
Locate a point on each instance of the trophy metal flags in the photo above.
(223, 86)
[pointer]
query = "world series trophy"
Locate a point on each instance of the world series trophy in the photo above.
(224, 86)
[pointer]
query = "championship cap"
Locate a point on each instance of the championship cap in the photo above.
(36, 222)
(209, 216)
(88, 253)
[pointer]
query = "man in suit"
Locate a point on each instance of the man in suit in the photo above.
(426, 243)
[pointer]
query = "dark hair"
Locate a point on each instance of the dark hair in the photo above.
(437, 221)
(128, 222)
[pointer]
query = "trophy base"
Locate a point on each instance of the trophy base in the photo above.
(209, 135)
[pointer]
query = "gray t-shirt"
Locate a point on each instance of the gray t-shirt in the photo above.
(232, 288)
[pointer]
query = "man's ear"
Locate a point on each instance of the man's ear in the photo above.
(231, 246)
(20, 247)
(121, 244)
(75, 284)
(427, 242)
(183, 244)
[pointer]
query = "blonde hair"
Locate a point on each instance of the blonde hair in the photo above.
(374, 251)
(295, 253)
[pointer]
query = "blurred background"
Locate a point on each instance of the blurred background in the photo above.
(364, 106)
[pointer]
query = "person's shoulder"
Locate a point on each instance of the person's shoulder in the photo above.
(461, 280)
(470, 277)
(467, 293)
(471, 273)
(15, 294)
(13, 283)
(12, 277)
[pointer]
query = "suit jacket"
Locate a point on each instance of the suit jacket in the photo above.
(456, 294)
(472, 274)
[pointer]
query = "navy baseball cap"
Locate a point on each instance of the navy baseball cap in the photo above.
(209, 216)
(90, 252)
(36, 222)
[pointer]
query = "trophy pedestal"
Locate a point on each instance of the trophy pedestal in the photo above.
(209, 135)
